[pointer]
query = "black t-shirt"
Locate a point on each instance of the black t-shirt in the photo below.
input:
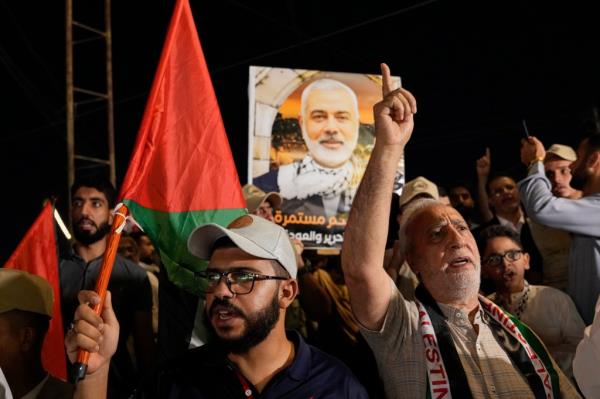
(130, 292)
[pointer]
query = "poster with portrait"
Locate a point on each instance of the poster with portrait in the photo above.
(311, 134)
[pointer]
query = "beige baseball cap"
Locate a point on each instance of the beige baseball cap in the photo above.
(254, 197)
(253, 235)
(20, 290)
(562, 151)
(418, 186)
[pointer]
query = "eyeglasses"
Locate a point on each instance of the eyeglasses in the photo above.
(239, 282)
(496, 259)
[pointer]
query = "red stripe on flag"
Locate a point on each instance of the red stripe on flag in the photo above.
(37, 254)
(182, 160)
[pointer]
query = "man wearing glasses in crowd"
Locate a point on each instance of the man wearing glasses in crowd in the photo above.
(250, 281)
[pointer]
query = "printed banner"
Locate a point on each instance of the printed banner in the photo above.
(311, 136)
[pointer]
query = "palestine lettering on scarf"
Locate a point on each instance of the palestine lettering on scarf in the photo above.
(439, 385)
(494, 311)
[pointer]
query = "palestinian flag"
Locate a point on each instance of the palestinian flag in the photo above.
(37, 253)
(181, 175)
(182, 172)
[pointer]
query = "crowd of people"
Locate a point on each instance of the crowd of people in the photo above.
(438, 292)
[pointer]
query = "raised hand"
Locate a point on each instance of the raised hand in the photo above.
(394, 120)
(484, 163)
(532, 149)
(98, 335)
(299, 248)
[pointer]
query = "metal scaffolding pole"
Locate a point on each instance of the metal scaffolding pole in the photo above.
(74, 92)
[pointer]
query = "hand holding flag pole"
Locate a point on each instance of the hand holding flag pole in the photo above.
(120, 217)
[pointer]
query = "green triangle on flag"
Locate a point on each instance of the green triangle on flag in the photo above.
(182, 172)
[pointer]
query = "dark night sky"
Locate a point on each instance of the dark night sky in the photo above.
(476, 68)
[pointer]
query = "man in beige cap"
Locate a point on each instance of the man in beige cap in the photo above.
(557, 162)
(260, 203)
(418, 188)
(554, 244)
(249, 284)
(25, 312)
(580, 217)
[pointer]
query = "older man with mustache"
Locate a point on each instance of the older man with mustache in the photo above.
(324, 181)
(449, 341)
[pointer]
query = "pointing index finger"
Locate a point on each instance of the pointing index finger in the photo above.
(387, 86)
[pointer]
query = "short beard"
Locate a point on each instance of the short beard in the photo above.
(333, 158)
(462, 285)
(258, 326)
(86, 238)
(456, 287)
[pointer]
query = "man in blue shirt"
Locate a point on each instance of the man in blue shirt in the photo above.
(249, 283)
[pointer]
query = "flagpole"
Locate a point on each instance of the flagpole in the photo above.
(108, 260)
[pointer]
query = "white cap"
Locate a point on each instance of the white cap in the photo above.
(253, 235)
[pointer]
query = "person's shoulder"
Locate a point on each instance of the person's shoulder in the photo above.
(328, 367)
(545, 292)
(68, 255)
(268, 181)
(592, 198)
(130, 267)
(331, 375)
(200, 373)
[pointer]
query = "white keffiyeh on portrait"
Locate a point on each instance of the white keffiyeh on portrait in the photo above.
(306, 178)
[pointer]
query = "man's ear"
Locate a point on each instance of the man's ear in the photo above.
(288, 290)
(526, 259)
(593, 159)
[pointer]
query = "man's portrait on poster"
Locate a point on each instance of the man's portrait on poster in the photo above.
(318, 156)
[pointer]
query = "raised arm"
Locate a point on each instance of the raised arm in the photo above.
(366, 231)
(483, 172)
(579, 216)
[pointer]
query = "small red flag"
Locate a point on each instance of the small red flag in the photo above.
(37, 254)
